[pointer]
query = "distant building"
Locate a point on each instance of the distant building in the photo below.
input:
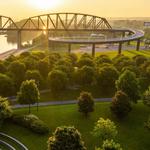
(147, 24)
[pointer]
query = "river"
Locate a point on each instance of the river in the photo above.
(4, 45)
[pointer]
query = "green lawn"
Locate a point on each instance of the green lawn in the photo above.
(72, 94)
(132, 134)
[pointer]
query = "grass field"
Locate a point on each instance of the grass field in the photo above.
(132, 134)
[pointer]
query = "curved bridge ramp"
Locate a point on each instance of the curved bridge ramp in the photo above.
(9, 143)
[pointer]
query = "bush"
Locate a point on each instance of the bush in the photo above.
(105, 129)
(129, 84)
(57, 80)
(86, 103)
(66, 138)
(31, 122)
(120, 104)
(110, 145)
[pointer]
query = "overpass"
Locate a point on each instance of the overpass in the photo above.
(70, 22)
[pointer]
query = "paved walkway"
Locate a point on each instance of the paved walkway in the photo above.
(60, 103)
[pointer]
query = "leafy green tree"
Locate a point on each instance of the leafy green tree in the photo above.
(105, 129)
(122, 61)
(128, 83)
(66, 138)
(85, 75)
(17, 70)
(72, 58)
(5, 109)
(139, 60)
(57, 80)
(85, 61)
(85, 103)
(110, 145)
(34, 75)
(106, 77)
(103, 59)
(6, 85)
(147, 124)
(146, 97)
(43, 68)
(3, 68)
(29, 93)
(121, 105)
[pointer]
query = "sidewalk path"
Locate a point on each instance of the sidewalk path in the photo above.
(60, 103)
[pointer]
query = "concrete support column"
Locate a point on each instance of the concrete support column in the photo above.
(120, 48)
(123, 34)
(18, 39)
(129, 35)
(93, 50)
(69, 48)
(138, 45)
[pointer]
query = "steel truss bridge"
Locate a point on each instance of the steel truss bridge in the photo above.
(69, 22)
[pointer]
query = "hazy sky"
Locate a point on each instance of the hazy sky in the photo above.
(106, 8)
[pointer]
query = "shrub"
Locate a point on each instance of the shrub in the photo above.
(120, 104)
(128, 83)
(57, 80)
(85, 103)
(110, 145)
(105, 129)
(31, 122)
(66, 138)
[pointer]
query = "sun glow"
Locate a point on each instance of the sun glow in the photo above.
(45, 4)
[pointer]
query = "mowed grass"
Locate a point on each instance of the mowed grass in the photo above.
(132, 134)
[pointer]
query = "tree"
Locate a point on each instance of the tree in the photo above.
(107, 75)
(3, 68)
(6, 85)
(34, 75)
(85, 75)
(139, 60)
(122, 61)
(17, 70)
(147, 124)
(85, 103)
(29, 93)
(5, 109)
(103, 59)
(121, 105)
(128, 83)
(43, 68)
(66, 138)
(105, 129)
(110, 145)
(146, 97)
(57, 80)
(85, 61)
